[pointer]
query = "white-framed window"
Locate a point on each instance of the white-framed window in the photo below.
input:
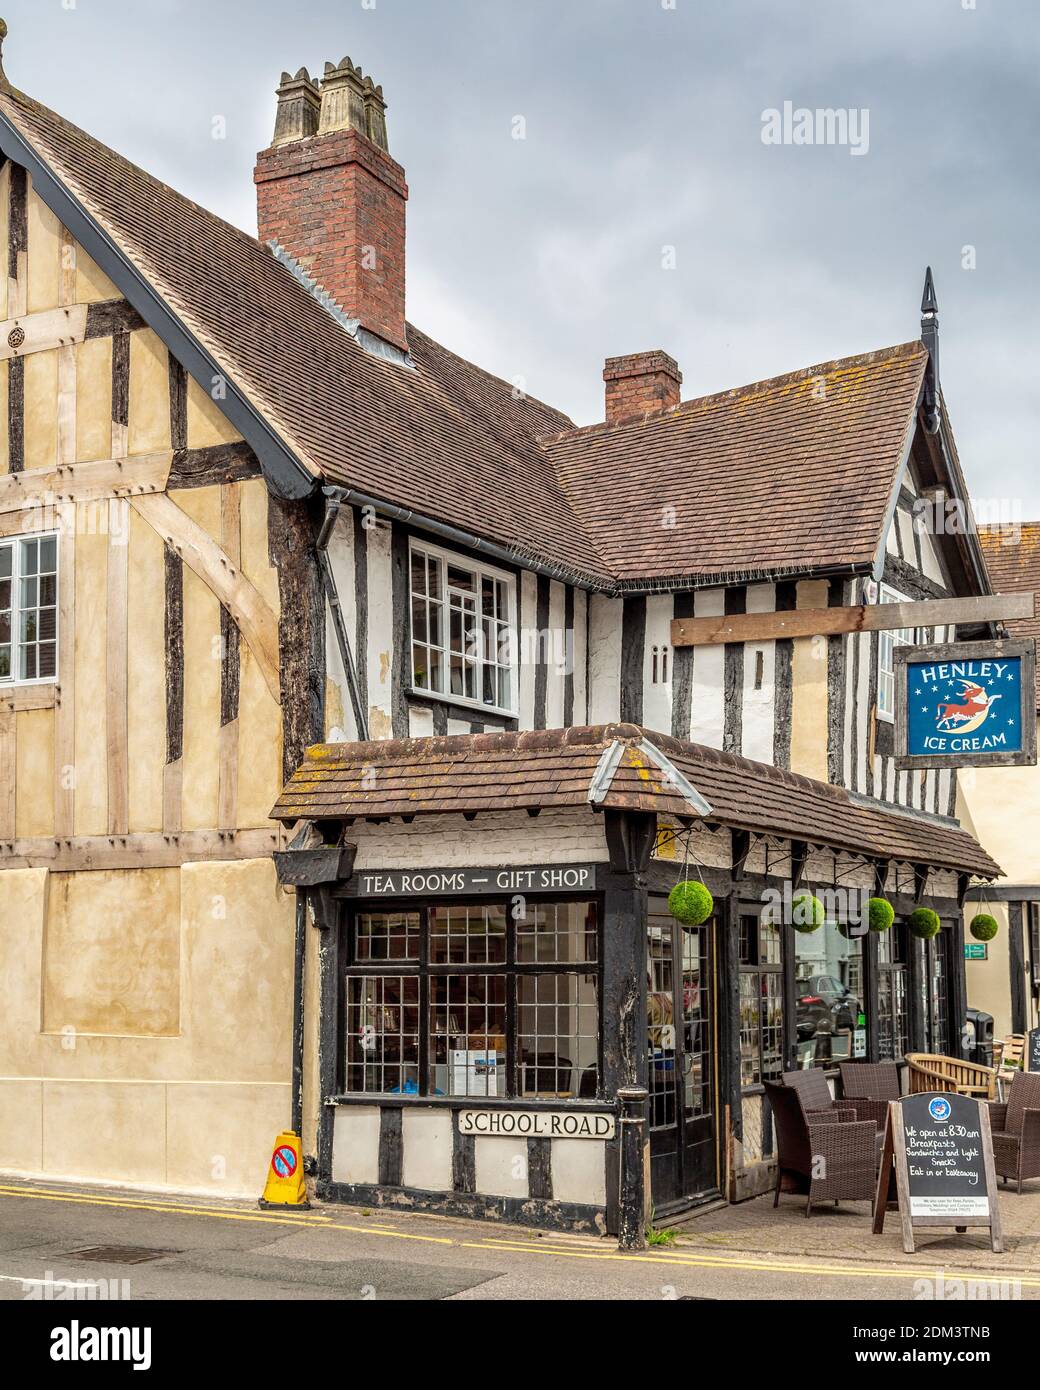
(463, 629)
(28, 609)
(888, 640)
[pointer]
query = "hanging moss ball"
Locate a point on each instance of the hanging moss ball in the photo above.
(690, 903)
(807, 913)
(983, 927)
(882, 914)
(924, 923)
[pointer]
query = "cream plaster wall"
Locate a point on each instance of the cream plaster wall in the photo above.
(146, 1022)
(199, 962)
(94, 399)
(450, 841)
(1004, 805)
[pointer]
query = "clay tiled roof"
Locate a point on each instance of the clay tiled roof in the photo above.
(1013, 561)
(787, 476)
(447, 440)
(555, 768)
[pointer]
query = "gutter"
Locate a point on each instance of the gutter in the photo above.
(456, 536)
(286, 473)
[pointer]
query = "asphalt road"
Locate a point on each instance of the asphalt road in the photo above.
(182, 1249)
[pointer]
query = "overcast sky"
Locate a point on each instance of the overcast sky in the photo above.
(643, 125)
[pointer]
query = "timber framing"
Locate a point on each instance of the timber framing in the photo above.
(42, 332)
(204, 557)
(299, 633)
(84, 482)
(138, 851)
(287, 474)
(870, 617)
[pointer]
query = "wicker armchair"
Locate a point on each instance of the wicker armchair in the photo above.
(843, 1151)
(929, 1072)
(814, 1093)
(1016, 1129)
(868, 1087)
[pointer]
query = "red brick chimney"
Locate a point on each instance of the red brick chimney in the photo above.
(643, 383)
(331, 197)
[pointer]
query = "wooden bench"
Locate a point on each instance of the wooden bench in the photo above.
(931, 1072)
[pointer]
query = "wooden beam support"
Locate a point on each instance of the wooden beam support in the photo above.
(65, 707)
(8, 769)
(872, 617)
(42, 332)
(84, 482)
(230, 668)
(203, 555)
(116, 722)
(142, 851)
(17, 697)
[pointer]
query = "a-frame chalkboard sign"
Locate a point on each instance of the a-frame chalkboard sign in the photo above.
(1031, 1056)
(937, 1166)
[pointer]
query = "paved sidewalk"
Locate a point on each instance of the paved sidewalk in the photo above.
(843, 1233)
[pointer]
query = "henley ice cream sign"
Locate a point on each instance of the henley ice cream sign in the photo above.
(965, 704)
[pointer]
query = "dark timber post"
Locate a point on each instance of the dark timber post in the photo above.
(632, 1144)
(728, 958)
(326, 915)
(958, 988)
(1017, 966)
(299, 993)
(630, 840)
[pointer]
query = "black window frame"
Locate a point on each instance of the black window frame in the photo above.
(423, 969)
(782, 969)
(887, 973)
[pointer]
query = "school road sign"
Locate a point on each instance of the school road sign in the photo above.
(966, 704)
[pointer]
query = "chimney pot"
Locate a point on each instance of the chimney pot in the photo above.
(640, 384)
(342, 99)
(298, 105)
(330, 196)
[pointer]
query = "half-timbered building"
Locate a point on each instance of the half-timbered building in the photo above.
(516, 678)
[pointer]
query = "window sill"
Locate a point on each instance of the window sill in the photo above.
(472, 708)
(385, 1098)
(30, 695)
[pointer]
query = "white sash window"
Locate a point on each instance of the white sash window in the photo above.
(28, 609)
(463, 618)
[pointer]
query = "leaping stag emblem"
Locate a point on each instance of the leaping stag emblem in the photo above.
(976, 703)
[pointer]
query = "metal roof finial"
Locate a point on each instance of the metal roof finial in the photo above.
(928, 300)
(930, 338)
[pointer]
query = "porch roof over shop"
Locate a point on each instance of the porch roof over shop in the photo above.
(609, 766)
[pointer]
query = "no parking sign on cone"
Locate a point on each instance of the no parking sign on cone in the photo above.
(285, 1186)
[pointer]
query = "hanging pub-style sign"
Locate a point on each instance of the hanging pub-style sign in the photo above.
(966, 704)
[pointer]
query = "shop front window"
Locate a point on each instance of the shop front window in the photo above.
(935, 1005)
(893, 1012)
(761, 1000)
(439, 1025)
(830, 1008)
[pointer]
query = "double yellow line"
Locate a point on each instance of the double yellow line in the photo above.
(563, 1247)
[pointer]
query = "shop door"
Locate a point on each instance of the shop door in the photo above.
(936, 1003)
(681, 1062)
